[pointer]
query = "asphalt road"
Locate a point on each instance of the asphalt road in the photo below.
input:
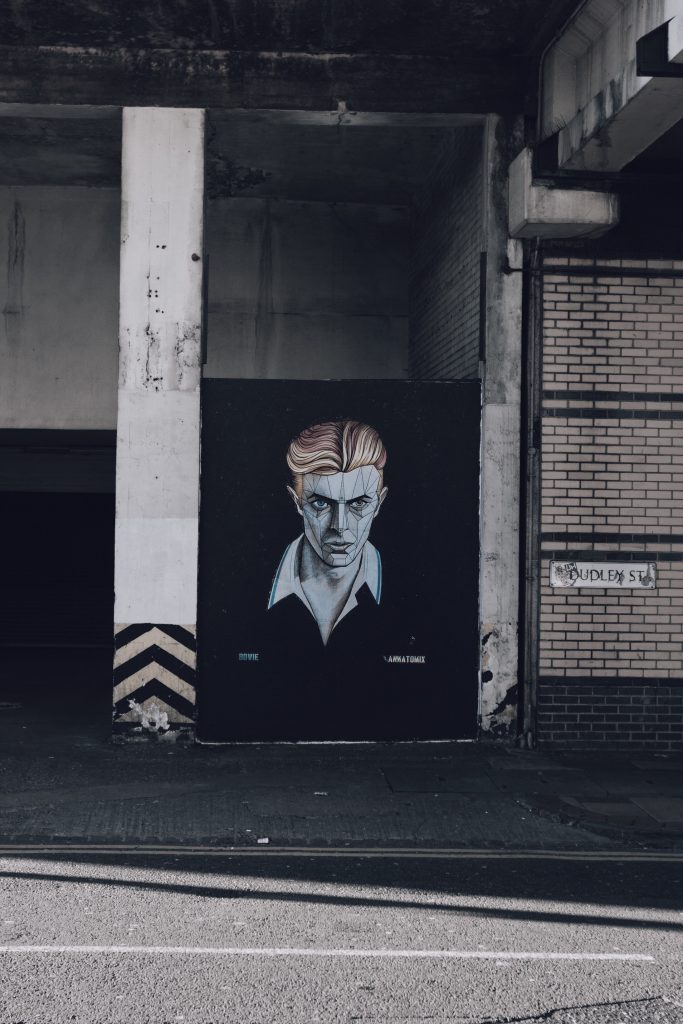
(262, 938)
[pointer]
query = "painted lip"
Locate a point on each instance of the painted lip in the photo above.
(338, 549)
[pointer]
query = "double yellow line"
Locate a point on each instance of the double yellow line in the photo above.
(348, 852)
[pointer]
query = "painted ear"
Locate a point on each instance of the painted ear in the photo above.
(295, 498)
(382, 495)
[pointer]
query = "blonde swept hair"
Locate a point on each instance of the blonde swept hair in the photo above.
(339, 446)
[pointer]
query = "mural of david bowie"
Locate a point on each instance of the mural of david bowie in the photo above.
(338, 490)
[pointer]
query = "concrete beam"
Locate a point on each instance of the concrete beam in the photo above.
(341, 116)
(230, 79)
(157, 464)
(604, 112)
(537, 211)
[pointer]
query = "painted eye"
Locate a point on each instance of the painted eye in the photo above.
(359, 503)
(319, 504)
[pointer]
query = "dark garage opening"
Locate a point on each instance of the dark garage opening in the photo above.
(56, 624)
(59, 570)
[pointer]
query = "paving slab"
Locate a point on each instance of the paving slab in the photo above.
(431, 778)
(616, 812)
(547, 782)
(666, 810)
(661, 762)
(639, 783)
(529, 760)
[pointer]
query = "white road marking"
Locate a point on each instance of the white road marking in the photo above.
(355, 852)
(270, 951)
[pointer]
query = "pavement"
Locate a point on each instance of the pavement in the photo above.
(62, 780)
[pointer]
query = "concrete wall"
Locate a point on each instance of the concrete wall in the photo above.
(296, 290)
(500, 442)
(307, 290)
(59, 283)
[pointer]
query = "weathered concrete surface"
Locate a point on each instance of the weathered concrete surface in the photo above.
(500, 449)
(266, 80)
(538, 211)
(58, 306)
(383, 26)
(157, 486)
(378, 159)
(605, 114)
(324, 284)
(468, 57)
(54, 147)
(307, 290)
(380, 56)
(286, 154)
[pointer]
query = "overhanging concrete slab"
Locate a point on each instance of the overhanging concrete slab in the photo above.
(604, 109)
(539, 211)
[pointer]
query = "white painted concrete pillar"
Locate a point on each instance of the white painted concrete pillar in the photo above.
(500, 449)
(157, 465)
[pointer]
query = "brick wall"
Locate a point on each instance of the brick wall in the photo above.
(610, 669)
(445, 263)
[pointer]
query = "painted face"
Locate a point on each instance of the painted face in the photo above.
(338, 510)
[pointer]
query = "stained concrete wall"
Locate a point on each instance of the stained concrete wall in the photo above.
(297, 289)
(500, 443)
(59, 285)
(307, 290)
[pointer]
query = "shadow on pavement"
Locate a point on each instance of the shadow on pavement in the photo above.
(411, 883)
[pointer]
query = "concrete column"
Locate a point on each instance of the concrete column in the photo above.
(500, 447)
(157, 466)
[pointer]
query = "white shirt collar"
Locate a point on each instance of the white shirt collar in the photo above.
(287, 579)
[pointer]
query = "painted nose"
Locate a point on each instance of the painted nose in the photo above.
(340, 517)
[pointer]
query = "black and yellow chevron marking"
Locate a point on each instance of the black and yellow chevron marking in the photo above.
(155, 663)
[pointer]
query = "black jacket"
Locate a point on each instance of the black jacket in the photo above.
(373, 680)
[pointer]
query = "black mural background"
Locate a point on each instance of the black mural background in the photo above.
(426, 533)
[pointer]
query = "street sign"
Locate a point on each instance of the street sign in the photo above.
(613, 575)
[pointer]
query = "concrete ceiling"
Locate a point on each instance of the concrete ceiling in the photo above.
(469, 28)
(446, 56)
(248, 154)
